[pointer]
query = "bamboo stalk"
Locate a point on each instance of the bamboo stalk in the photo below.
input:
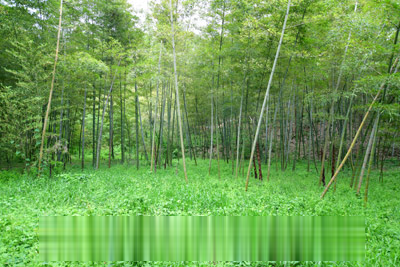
(46, 118)
(177, 93)
(371, 159)
(267, 95)
(155, 114)
(102, 118)
(358, 132)
(367, 153)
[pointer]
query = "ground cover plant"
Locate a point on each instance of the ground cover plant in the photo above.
(122, 190)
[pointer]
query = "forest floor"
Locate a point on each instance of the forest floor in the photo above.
(122, 190)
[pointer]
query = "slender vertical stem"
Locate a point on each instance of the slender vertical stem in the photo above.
(122, 121)
(267, 94)
(212, 129)
(142, 134)
(353, 142)
(371, 159)
(393, 70)
(83, 129)
(271, 139)
(342, 136)
(367, 154)
(51, 88)
(102, 119)
(155, 113)
(94, 126)
(238, 131)
(177, 93)
(137, 124)
(61, 120)
(331, 117)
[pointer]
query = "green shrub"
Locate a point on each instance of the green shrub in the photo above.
(8, 175)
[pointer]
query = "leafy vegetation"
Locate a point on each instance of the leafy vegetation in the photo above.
(303, 95)
(123, 190)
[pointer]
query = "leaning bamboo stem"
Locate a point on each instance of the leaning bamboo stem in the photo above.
(357, 133)
(267, 95)
(46, 118)
(332, 104)
(352, 143)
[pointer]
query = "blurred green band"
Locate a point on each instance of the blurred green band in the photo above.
(196, 238)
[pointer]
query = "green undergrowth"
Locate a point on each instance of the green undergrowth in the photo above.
(122, 190)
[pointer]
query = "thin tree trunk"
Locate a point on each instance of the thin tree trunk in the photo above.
(112, 127)
(173, 127)
(248, 128)
(102, 119)
(325, 147)
(289, 138)
(331, 117)
(216, 130)
(185, 125)
(126, 123)
(212, 128)
(359, 130)
(238, 130)
(266, 132)
(98, 113)
(267, 95)
(360, 151)
(296, 115)
(342, 136)
(255, 168)
(155, 113)
(137, 124)
(67, 133)
(260, 176)
(271, 139)
(371, 159)
(94, 127)
(122, 120)
(167, 158)
(160, 135)
(61, 121)
(110, 143)
(51, 89)
(142, 133)
(177, 93)
(231, 128)
(83, 129)
(367, 153)
(188, 128)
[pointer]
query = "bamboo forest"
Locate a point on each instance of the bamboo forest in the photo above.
(200, 108)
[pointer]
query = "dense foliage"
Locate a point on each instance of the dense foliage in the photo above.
(333, 54)
(188, 78)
